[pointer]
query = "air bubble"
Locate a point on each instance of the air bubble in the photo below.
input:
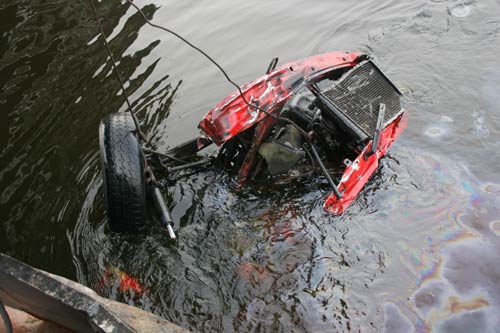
(459, 10)
(495, 227)
(435, 132)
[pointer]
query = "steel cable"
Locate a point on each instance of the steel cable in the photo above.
(306, 135)
(115, 69)
(228, 78)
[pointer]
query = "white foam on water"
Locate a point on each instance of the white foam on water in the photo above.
(446, 119)
(459, 10)
(480, 130)
(495, 227)
(435, 131)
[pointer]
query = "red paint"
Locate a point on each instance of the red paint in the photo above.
(357, 175)
(232, 116)
(261, 133)
(126, 283)
(270, 92)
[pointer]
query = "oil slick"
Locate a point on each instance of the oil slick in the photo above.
(457, 273)
(395, 321)
(449, 256)
(459, 291)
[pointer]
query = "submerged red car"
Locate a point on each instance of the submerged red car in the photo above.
(337, 111)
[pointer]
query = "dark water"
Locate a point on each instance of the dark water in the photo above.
(418, 250)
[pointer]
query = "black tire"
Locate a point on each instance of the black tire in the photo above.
(123, 170)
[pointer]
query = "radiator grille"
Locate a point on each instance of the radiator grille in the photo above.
(359, 93)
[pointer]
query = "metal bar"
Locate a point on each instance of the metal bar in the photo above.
(189, 148)
(272, 65)
(167, 156)
(163, 211)
(189, 165)
(378, 129)
(161, 206)
(57, 300)
(325, 172)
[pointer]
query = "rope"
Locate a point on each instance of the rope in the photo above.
(115, 69)
(306, 135)
(228, 78)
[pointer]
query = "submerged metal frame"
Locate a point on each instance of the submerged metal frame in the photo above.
(232, 116)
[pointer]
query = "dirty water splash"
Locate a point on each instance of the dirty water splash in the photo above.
(416, 252)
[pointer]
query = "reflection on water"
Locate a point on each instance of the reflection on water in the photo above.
(417, 251)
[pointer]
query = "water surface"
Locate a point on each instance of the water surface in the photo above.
(417, 251)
